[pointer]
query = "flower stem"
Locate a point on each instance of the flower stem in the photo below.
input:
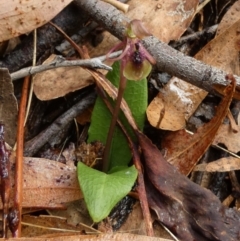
(107, 150)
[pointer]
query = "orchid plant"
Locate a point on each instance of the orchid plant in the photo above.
(136, 64)
(103, 190)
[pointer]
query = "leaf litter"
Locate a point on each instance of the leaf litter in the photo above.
(175, 199)
(221, 52)
(184, 150)
(153, 15)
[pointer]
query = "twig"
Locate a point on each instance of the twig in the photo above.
(119, 5)
(59, 61)
(168, 59)
(19, 160)
(193, 36)
(31, 85)
(33, 145)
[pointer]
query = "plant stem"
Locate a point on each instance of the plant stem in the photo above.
(107, 149)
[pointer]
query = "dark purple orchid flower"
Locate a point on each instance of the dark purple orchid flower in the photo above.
(136, 61)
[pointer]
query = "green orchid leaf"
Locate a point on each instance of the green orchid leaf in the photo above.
(103, 191)
(136, 96)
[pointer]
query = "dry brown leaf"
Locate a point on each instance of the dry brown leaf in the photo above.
(184, 150)
(158, 17)
(225, 164)
(167, 20)
(8, 107)
(178, 99)
(48, 184)
(99, 237)
(19, 17)
(230, 17)
(52, 84)
(226, 136)
(182, 99)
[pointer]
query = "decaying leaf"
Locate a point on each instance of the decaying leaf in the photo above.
(184, 150)
(224, 164)
(19, 17)
(58, 82)
(189, 211)
(8, 107)
(221, 52)
(48, 184)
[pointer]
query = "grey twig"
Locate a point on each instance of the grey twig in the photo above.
(33, 145)
(168, 59)
(59, 61)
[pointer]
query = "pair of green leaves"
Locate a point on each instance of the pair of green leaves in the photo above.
(103, 191)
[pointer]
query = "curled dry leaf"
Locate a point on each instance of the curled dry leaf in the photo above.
(20, 17)
(8, 107)
(184, 150)
(48, 183)
(225, 164)
(221, 52)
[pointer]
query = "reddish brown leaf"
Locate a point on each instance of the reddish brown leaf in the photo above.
(184, 150)
(189, 211)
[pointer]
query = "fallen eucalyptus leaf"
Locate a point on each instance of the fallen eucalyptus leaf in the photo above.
(225, 164)
(55, 83)
(47, 183)
(19, 17)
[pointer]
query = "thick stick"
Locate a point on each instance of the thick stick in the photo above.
(168, 59)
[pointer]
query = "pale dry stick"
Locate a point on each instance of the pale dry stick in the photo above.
(31, 84)
(59, 62)
(168, 59)
(119, 5)
(233, 124)
(211, 30)
(201, 6)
